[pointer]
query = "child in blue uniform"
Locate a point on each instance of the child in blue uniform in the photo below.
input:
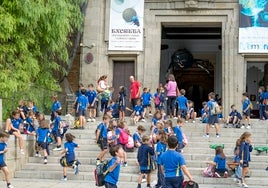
(234, 117)
(144, 160)
(82, 105)
(204, 114)
(219, 163)
(178, 133)
(146, 100)
(182, 105)
(122, 102)
(137, 136)
(56, 106)
(56, 130)
(246, 110)
(3, 149)
(114, 164)
(42, 134)
(91, 95)
(173, 164)
(13, 128)
(161, 147)
(101, 137)
(138, 111)
(69, 148)
(244, 154)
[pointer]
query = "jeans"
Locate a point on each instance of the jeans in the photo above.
(171, 105)
(160, 177)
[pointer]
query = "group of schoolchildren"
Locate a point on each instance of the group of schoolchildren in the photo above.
(27, 120)
(240, 164)
(234, 119)
(160, 150)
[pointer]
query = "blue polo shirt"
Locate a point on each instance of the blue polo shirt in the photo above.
(57, 123)
(112, 177)
(178, 132)
(210, 106)
(160, 149)
(3, 145)
(69, 147)
(144, 157)
(245, 104)
(42, 134)
(172, 162)
(182, 102)
(137, 138)
(146, 98)
(56, 105)
(91, 95)
(138, 110)
(16, 122)
(220, 162)
(82, 102)
(155, 120)
(103, 130)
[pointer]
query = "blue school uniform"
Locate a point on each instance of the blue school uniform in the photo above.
(56, 123)
(160, 149)
(122, 101)
(3, 145)
(42, 134)
(144, 157)
(55, 106)
(182, 102)
(70, 155)
(138, 110)
(244, 153)
(172, 162)
(137, 138)
(91, 95)
(82, 102)
(112, 177)
(16, 122)
(220, 163)
(146, 98)
(245, 104)
(178, 132)
(155, 120)
(103, 130)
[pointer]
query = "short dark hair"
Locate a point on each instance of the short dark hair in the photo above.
(114, 149)
(232, 106)
(172, 142)
(245, 94)
(182, 91)
(69, 137)
(105, 117)
(90, 85)
(83, 91)
(212, 95)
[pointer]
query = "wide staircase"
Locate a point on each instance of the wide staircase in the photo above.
(196, 153)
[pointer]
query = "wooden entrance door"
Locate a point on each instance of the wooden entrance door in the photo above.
(122, 71)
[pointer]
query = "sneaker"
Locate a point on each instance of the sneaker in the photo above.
(212, 126)
(93, 119)
(206, 135)
(236, 180)
(10, 186)
(125, 164)
(22, 152)
(36, 155)
(175, 117)
(143, 120)
(76, 171)
(89, 120)
(248, 127)
(226, 125)
(216, 175)
(64, 179)
(244, 185)
(225, 175)
(217, 136)
(193, 121)
(57, 149)
(242, 127)
(45, 161)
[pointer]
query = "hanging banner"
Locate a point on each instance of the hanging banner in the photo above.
(126, 25)
(253, 26)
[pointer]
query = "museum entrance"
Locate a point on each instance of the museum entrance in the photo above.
(193, 55)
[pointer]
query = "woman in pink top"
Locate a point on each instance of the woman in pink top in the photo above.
(171, 88)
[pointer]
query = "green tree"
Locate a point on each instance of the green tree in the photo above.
(34, 45)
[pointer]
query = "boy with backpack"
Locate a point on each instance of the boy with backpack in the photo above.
(144, 160)
(173, 164)
(113, 167)
(182, 105)
(212, 111)
(82, 105)
(101, 137)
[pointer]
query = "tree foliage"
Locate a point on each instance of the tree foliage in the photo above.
(33, 43)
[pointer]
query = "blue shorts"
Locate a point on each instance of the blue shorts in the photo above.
(56, 133)
(82, 112)
(174, 182)
(213, 119)
(3, 164)
(247, 113)
(43, 145)
(109, 185)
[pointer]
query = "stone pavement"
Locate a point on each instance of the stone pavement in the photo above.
(43, 183)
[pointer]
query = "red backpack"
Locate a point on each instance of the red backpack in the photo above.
(123, 136)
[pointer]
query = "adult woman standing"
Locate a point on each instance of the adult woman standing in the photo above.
(102, 85)
(171, 88)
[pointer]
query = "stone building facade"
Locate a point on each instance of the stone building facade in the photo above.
(228, 69)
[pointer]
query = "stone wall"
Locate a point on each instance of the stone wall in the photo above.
(13, 157)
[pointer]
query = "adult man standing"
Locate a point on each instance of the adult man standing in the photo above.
(134, 91)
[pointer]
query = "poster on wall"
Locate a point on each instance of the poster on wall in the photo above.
(126, 25)
(253, 26)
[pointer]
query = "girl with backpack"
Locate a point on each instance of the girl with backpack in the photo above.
(123, 138)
